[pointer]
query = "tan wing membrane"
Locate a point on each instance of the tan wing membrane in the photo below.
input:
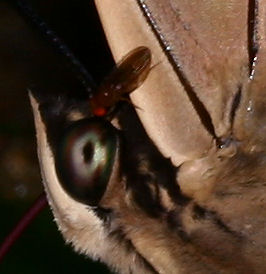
(250, 119)
(208, 41)
(162, 101)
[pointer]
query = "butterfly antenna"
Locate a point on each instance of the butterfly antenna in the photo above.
(58, 43)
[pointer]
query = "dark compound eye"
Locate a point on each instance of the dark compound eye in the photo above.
(85, 158)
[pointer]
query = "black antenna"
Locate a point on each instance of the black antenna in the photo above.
(52, 37)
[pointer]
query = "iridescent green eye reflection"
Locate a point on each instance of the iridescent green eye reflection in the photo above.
(85, 158)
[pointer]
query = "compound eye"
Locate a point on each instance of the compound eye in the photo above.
(85, 158)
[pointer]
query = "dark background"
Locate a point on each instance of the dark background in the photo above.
(41, 248)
